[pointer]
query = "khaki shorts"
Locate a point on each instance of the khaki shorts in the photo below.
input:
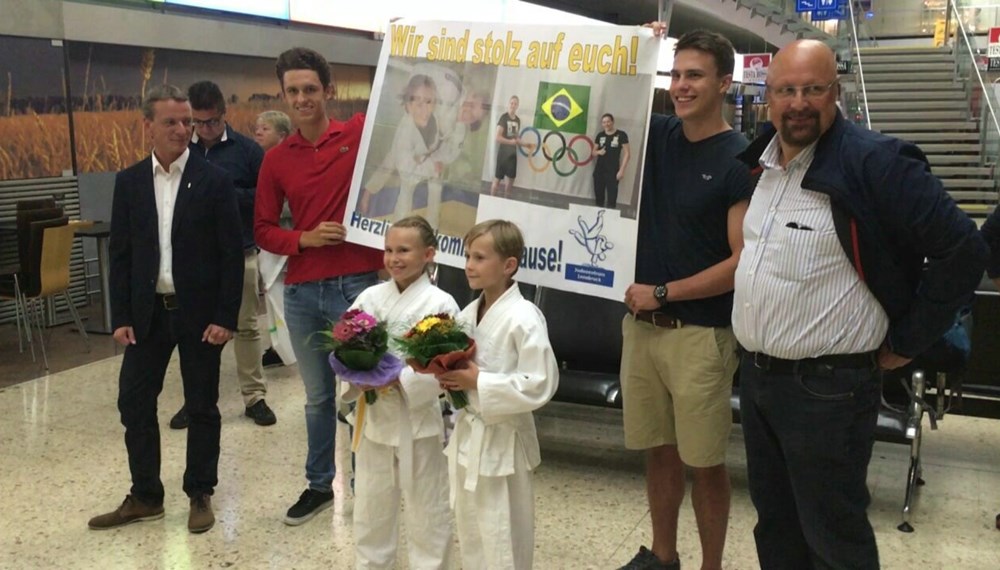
(676, 385)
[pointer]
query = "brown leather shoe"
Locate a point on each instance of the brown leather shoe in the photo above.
(201, 518)
(132, 510)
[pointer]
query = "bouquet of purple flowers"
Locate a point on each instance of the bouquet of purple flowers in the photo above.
(359, 354)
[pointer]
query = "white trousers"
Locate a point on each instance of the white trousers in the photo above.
(379, 486)
(496, 522)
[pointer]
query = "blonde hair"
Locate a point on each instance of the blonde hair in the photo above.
(508, 240)
(278, 121)
(423, 227)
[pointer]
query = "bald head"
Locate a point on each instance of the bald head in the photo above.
(802, 93)
(807, 54)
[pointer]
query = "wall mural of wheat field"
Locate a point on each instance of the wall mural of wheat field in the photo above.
(34, 124)
(105, 86)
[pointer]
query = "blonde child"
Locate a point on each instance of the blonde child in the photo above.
(400, 437)
(494, 447)
(415, 154)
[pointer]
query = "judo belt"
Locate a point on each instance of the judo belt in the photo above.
(474, 422)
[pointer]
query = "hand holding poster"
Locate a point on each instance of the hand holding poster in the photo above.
(533, 124)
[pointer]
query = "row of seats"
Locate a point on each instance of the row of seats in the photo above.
(44, 236)
(585, 333)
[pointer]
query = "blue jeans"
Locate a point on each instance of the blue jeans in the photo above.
(311, 307)
(809, 440)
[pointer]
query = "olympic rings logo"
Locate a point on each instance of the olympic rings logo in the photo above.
(552, 157)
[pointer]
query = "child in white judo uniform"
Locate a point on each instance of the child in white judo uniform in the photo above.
(494, 446)
(399, 438)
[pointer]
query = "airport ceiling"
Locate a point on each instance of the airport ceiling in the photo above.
(684, 18)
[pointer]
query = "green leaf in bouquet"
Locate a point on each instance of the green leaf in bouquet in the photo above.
(359, 359)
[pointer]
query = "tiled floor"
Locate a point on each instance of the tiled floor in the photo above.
(66, 349)
(62, 460)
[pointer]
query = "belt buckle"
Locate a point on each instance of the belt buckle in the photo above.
(669, 322)
(761, 360)
(170, 302)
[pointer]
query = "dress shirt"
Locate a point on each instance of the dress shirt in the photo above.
(797, 294)
(166, 184)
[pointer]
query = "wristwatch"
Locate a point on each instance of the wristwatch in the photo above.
(660, 293)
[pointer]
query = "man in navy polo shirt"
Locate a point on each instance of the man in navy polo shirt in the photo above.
(679, 352)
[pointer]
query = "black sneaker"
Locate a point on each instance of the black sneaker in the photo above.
(310, 504)
(646, 560)
(261, 414)
(271, 359)
(181, 419)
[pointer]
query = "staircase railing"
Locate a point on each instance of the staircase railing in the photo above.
(860, 71)
(982, 97)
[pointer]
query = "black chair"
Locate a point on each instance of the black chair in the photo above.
(586, 337)
(35, 204)
(452, 280)
(904, 404)
(15, 280)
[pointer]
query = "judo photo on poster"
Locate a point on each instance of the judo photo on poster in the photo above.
(427, 143)
(541, 125)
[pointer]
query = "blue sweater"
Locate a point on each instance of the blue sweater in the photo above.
(241, 157)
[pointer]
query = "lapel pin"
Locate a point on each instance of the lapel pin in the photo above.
(189, 184)
(344, 149)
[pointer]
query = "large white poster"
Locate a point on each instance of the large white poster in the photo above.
(469, 122)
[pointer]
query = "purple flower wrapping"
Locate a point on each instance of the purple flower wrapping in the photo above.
(385, 372)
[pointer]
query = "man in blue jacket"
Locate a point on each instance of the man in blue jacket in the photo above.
(855, 261)
(241, 157)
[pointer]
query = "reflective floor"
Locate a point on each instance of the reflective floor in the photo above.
(62, 460)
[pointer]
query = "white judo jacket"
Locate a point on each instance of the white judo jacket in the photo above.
(415, 399)
(518, 374)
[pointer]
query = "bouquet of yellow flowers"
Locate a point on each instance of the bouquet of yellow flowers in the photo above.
(437, 344)
(359, 354)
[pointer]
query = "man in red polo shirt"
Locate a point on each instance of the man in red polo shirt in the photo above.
(312, 169)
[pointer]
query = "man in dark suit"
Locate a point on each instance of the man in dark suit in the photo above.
(176, 281)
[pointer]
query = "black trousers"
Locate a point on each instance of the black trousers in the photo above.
(606, 187)
(139, 385)
(809, 440)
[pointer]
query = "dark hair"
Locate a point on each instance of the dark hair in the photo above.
(161, 93)
(716, 45)
(608, 115)
(423, 227)
(303, 58)
(206, 96)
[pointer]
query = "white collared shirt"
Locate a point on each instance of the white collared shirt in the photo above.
(225, 136)
(166, 184)
(797, 294)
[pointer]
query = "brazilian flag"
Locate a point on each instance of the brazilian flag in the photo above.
(562, 107)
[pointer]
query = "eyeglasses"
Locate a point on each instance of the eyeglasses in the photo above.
(808, 91)
(211, 123)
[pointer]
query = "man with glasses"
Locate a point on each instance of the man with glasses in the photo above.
(241, 157)
(831, 288)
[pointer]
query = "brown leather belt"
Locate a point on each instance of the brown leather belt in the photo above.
(658, 319)
(169, 301)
